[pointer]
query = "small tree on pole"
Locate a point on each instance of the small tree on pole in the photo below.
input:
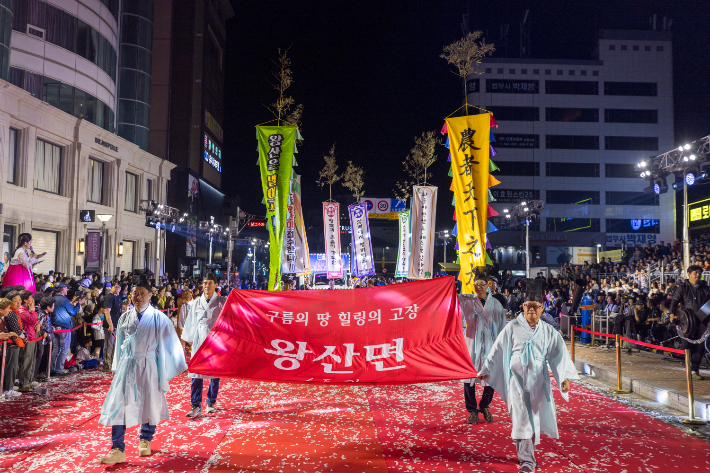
(465, 56)
(328, 175)
(420, 158)
(353, 180)
(285, 108)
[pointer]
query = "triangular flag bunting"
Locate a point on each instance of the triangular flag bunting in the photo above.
(492, 151)
(493, 122)
(490, 228)
(451, 171)
(454, 215)
(492, 212)
(452, 186)
(453, 201)
(447, 141)
(492, 166)
(295, 163)
(449, 158)
(444, 131)
(492, 181)
(488, 244)
(456, 246)
(488, 260)
(492, 139)
(490, 196)
(455, 231)
(458, 260)
(299, 137)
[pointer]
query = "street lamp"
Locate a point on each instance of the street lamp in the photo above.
(444, 235)
(82, 246)
(104, 220)
(525, 212)
(254, 262)
(120, 248)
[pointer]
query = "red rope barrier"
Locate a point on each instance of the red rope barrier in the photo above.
(595, 333)
(672, 350)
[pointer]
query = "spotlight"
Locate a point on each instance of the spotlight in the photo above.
(685, 159)
(507, 215)
(642, 164)
(692, 157)
(690, 178)
(686, 147)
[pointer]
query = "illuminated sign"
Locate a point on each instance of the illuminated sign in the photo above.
(213, 153)
(213, 126)
(257, 224)
(699, 213)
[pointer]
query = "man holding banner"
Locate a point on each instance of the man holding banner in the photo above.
(483, 319)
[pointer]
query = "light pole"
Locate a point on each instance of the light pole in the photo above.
(525, 211)
(253, 262)
(158, 215)
(599, 248)
(104, 220)
(444, 235)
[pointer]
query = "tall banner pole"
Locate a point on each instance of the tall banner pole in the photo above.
(405, 238)
(277, 145)
(361, 257)
(331, 221)
(421, 264)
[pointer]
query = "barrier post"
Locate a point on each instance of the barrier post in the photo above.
(2, 374)
(619, 388)
(571, 340)
(594, 326)
(49, 361)
(691, 398)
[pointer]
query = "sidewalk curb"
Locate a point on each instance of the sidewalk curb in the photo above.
(669, 397)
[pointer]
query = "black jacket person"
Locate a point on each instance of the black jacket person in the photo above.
(692, 294)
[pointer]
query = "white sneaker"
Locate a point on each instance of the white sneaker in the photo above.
(194, 412)
(34, 384)
(12, 394)
(210, 409)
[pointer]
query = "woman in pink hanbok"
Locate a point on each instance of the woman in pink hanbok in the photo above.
(19, 271)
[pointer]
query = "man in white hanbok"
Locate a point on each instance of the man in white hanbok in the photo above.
(148, 355)
(483, 319)
(201, 318)
(517, 368)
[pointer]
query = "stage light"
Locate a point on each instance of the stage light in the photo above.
(686, 146)
(507, 215)
(656, 188)
(692, 157)
(685, 159)
(690, 178)
(642, 164)
(505, 211)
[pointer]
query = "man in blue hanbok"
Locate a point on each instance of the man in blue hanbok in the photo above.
(483, 319)
(517, 368)
(148, 355)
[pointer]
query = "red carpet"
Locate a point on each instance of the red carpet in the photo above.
(310, 428)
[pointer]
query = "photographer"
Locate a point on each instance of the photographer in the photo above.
(692, 294)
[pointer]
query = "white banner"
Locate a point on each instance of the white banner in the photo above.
(288, 260)
(363, 265)
(405, 238)
(295, 258)
(421, 265)
(331, 220)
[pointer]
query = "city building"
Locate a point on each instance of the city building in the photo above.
(56, 167)
(571, 133)
(187, 101)
(60, 150)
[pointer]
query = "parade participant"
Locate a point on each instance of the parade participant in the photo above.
(516, 367)
(200, 319)
(483, 319)
(19, 271)
(148, 355)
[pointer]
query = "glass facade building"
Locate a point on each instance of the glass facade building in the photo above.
(134, 69)
(5, 35)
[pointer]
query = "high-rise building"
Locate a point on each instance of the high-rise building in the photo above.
(571, 133)
(62, 163)
(187, 99)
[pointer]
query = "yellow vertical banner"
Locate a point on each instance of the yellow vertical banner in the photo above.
(469, 146)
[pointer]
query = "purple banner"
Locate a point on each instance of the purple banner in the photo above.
(93, 250)
(363, 264)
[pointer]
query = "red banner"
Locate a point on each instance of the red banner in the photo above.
(402, 333)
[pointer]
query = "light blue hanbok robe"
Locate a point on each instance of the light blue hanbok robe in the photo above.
(481, 326)
(148, 355)
(518, 372)
(200, 320)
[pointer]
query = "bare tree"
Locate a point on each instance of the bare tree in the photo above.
(353, 180)
(328, 175)
(285, 108)
(465, 55)
(419, 159)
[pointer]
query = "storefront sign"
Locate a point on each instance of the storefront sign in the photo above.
(105, 144)
(87, 216)
(632, 239)
(473, 86)
(213, 153)
(214, 127)
(93, 250)
(507, 86)
(699, 213)
(517, 141)
(514, 195)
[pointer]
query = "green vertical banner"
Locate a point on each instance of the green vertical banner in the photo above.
(277, 145)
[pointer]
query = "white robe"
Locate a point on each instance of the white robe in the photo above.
(518, 372)
(482, 324)
(148, 355)
(200, 320)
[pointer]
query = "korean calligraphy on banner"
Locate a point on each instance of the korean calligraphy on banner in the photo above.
(421, 263)
(331, 221)
(296, 259)
(469, 146)
(363, 264)
(405, 238)
(397, 334)
(276, 148)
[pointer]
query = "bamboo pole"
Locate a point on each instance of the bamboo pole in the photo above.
(691, 419)
(619, 388)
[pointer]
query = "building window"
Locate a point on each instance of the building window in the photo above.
(619, 225)
(621, 170)
(584, 73)
(571, 114)
(616, 115)
(12, 158)
(48, 165)
(536, 71)
(659, 48)
(571, 142)
(636, 89)
(520, 114)
(647, 48)
(590, 225)
(518, 168)
(595, 73)
(500, 70)
(571, 87)
(523, 71)
(624, 47)
(612, 47)
(631, 143)
(548, 72)
(571, 72)
(636, 48)
(95, 185)
(129, 201)
(149, 189)
(571, 169)
(511, 71)
(631, 198)
(489, 70)
(572, 197)
(560, 72)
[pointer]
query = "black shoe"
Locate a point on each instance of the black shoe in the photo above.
(59, 374)
(473, 418)
(487, 414)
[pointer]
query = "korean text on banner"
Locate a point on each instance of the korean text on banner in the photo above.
(421, 263)
(397, 334)
(331, 224)
(363, 264)
(276, 148)
(288, 262)
(469, 146)
(404, 251)
(303, 259)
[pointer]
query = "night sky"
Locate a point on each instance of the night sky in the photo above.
(370, 77)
